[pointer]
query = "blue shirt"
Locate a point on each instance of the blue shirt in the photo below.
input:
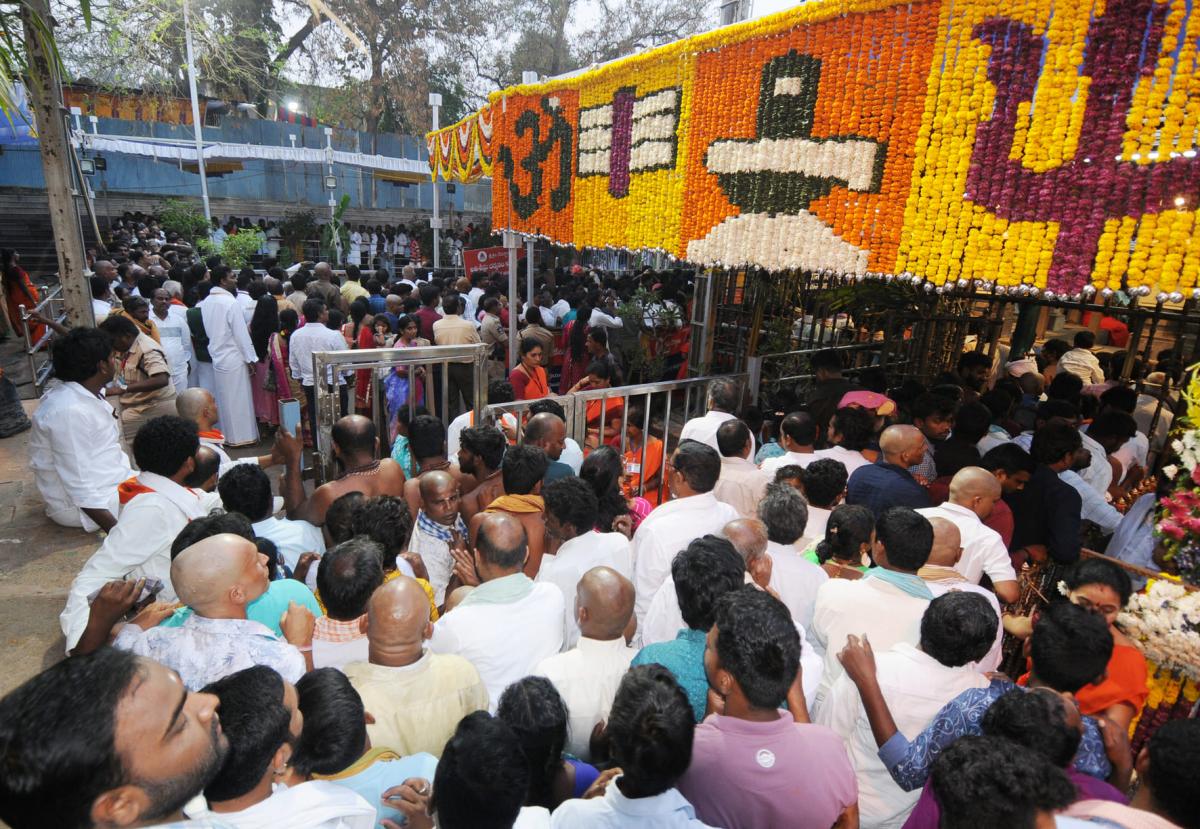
(770, 449)
(909, 762)
(378, 771)
(267, 609)
(378, 303)
(684, 657)
(880, 485)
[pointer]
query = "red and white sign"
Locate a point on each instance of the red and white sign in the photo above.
(488, 260)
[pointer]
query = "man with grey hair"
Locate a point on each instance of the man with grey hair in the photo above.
(785, 515)
(170, 315)
(724, 400)
(323, 287)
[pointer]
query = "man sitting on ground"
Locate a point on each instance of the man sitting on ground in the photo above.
(571, 507)
(157, 507)
(261, 719)
(439, 529)
(347, 576)
(199, 406)
(356, 449)
(507, 607)
(480, 455)
(75, 446)
(415, 696)
(1080, 360)
(246, 488)
(587, 676)
(217, 578)
(107, 739)
(548, 433)
(523, 471)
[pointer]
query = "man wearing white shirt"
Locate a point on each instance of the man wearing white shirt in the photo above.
(246, 489)
(560, 308)
(587, 676)
(101, 294)
(1107, 433)
(171, 320)
(796, 579)
(850, 432)
(797, 435)
(692, 473)
(1093, 507)
(508, 624)
(916, 681)
(941, 577)
(233, 358)
(244, 277)
(973, 494)
(571, 508)
(741, 484)
(887, 604)
(355, 256)
(724, 398)
(306, 340)
(157, 507)
(75, 446)
(601, 319)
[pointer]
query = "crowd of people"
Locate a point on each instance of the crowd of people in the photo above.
(795, 619)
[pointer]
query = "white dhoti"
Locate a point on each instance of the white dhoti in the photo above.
(201, 376)
(179, 379)
(235, 404)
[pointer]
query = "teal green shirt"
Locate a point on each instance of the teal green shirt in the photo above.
(268, 608)
(684, 657)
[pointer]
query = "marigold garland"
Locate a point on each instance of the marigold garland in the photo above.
(1022, 142)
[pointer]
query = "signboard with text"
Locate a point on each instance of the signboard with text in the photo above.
(488, 260)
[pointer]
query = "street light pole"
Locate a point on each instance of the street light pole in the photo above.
(435, 223)
(197, 128)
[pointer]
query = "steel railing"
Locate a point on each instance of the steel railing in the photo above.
(38, 353)
(327, 398)
(661, 407)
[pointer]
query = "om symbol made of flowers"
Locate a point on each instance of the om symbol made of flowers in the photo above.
(1050, 143)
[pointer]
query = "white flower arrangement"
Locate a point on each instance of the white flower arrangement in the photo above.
(1187, 447)
(1165, 622)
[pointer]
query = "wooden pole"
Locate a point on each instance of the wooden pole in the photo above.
(45, 100)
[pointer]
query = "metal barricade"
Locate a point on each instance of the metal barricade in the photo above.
(38, 353)
(429, 358)
(670, 404)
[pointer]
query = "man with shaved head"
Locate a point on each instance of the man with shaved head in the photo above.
(508, 624)
(548, 432)
(356, 449)
(587, 676)
(323, 287)
(974, 492)
(941, 577)
(439, 528)
(416, 696)
(887, 482)
(199, 406)
(217, 578)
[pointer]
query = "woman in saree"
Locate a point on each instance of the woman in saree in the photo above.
(265, 387)
(287, 386)
(575, 352)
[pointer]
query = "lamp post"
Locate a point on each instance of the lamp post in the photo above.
(435, 222)
(197, 129)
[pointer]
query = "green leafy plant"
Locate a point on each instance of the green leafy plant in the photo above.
(335, 236)
(184, 218)
(237, 249)
(297, 228)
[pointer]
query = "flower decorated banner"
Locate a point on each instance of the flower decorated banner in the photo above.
(1039, 142)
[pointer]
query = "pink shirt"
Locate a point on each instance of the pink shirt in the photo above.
(747, 775)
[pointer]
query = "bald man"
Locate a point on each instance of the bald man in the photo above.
(199, 406)
(887, 482)
(415, 696)
(217, 578)
(548, 432)
(508, 624)
(941, 577)
(356, 449)
(974, 492)
(439, 528)
(323, 287)
(587, 676)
